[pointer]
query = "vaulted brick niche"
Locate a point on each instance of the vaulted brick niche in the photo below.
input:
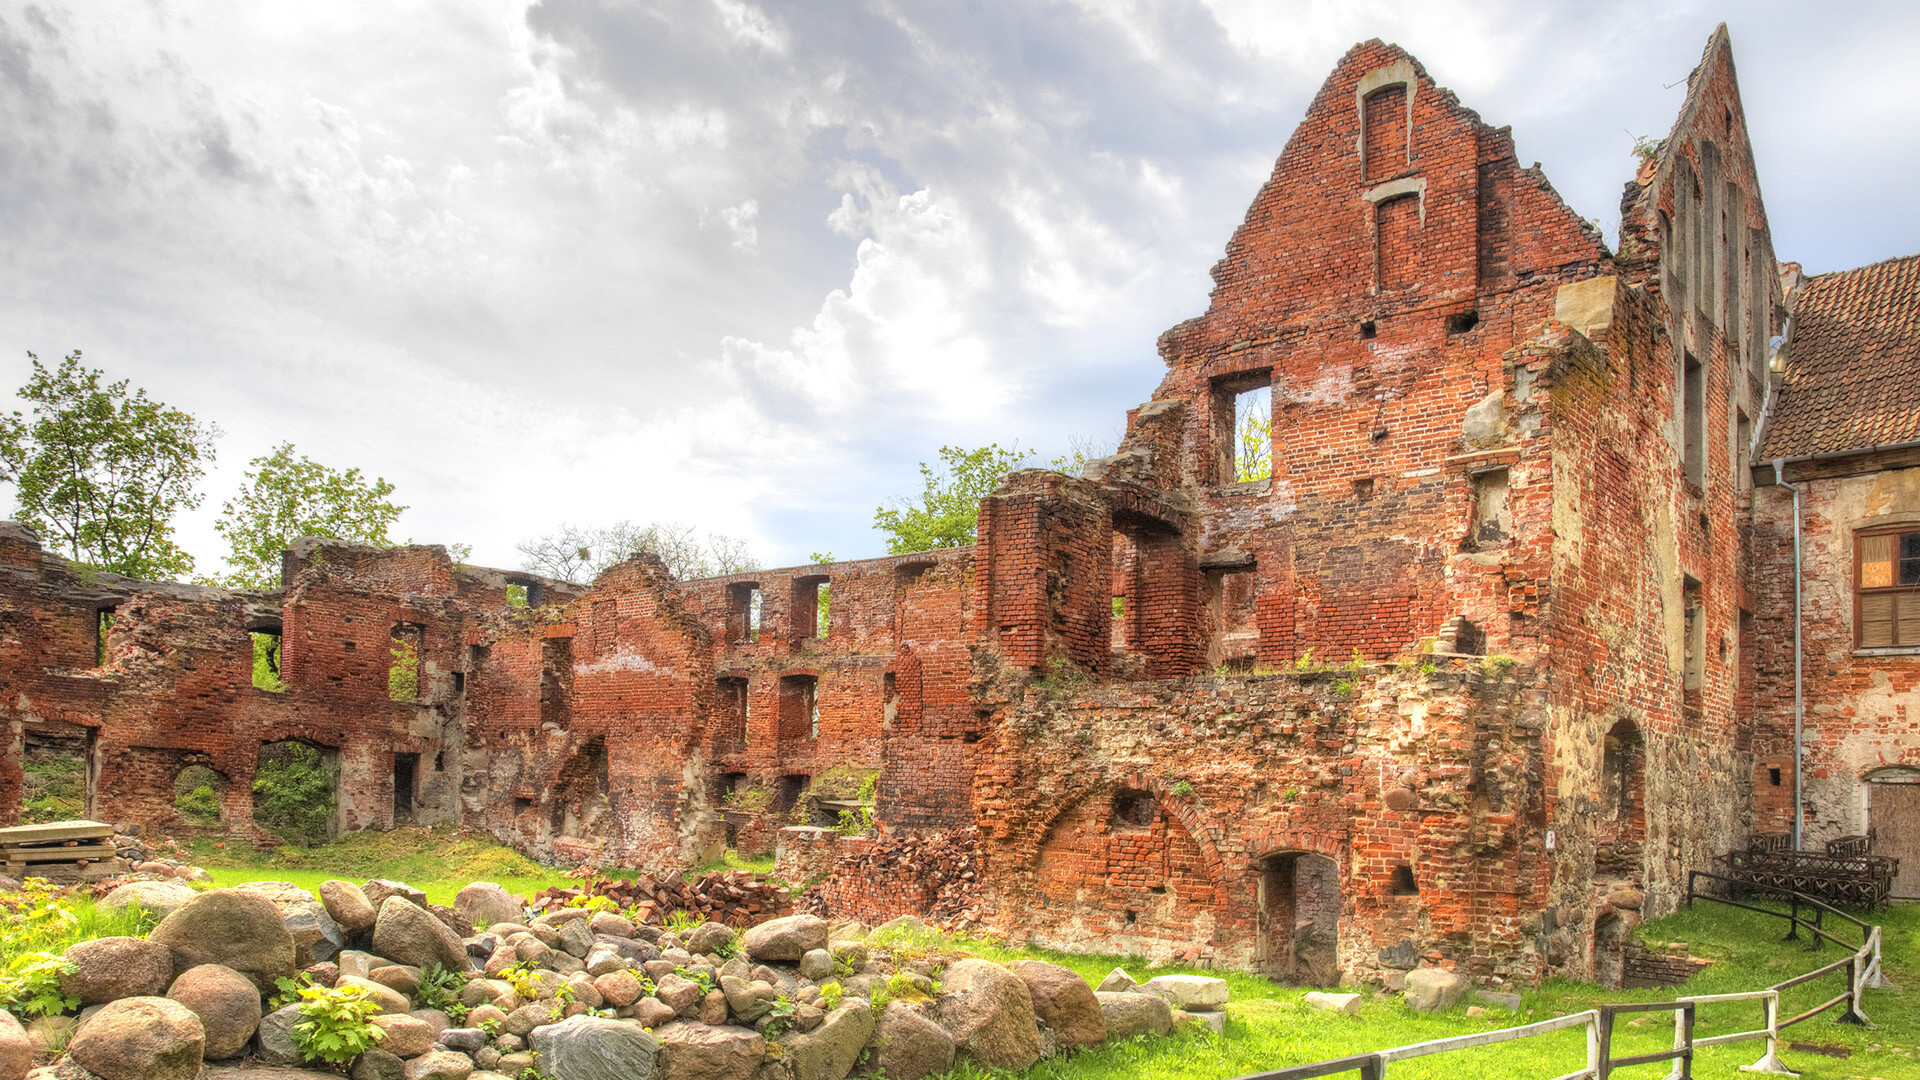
(1622, 813)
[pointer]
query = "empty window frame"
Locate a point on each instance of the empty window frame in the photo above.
(1693, 421)
(1887, 588)
(265, 644)
(810, 606)
(403, 666)
(799, 707)
(1242, 423)
(524, 593)
(102, 626)
(743, 611)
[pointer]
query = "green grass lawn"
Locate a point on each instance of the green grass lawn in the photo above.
(1270, 1026)
(439, 861)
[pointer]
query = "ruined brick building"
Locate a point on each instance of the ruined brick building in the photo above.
(1501, 647)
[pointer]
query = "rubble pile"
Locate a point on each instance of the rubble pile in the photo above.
(564, 991)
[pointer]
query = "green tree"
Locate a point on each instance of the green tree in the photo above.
(100, 472)
(949, 509)
(286, 496)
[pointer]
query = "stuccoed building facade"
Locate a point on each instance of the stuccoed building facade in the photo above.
(1498, 644)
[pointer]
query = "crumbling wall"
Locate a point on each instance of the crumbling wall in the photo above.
(1150, 818)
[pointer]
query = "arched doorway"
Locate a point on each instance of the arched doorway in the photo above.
(1299, 918)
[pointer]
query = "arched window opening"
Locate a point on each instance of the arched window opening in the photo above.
(198, 791)
(1622, 825)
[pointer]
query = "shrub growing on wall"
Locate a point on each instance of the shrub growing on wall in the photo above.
(293, 792)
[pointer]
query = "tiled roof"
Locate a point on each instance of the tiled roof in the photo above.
(1853, 368)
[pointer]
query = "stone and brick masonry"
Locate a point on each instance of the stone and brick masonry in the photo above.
(1467, 681)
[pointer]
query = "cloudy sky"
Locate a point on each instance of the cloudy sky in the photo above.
(744, 264)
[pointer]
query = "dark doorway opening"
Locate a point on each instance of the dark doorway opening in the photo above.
(406, 770)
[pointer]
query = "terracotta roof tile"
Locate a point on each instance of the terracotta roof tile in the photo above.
(1852, 379)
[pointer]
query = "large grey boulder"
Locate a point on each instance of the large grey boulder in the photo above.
(1129, 1014)
(163, 898)
(1434, 989)
(316, 936)
(786, 939)
(274, 1041)
(1064, 1001)
(236, 929)
(702, 1052)
(1194, 993)
(348, 906)
(110, 968)
(590, 1048)
(489, 903)
(911, 1046)
(989, 1012)
(377, 1064)
(410, 934)
(830, 1051)
(227, 1004)
(142, 1038)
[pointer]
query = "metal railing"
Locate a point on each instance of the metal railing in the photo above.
(1862, 967)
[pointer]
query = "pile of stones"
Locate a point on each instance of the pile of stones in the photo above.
(573, 994)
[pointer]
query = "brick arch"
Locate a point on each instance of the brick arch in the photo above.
(1268, 841)
(1179, 808)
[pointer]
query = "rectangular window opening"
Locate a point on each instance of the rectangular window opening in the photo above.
(403, 667)
(743, 612)
(1887, 590)
(1694, 423)
(524, 593)
(102, 626)
(1243, 427)
(405, 769)
(266, 660)
(810, 604)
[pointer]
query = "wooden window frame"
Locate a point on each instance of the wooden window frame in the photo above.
(1860, 592)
